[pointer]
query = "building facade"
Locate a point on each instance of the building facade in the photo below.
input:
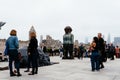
(51, 43)
(117, 41)
(3, 41)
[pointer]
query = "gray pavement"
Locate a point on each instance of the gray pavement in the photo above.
(69, 70)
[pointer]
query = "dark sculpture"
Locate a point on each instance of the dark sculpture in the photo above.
(43, 59)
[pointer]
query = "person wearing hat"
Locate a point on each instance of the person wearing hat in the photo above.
(68, 41)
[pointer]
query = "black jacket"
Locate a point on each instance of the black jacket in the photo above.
(33, 45)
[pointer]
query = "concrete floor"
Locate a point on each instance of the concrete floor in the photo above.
(69, 70)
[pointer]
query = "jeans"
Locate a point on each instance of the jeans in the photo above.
(13, 57)
(95, 60)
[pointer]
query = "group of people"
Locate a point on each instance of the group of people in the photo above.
(79, 51)
(98, 55)
(97, 49)
(112, 51)
(12, 45)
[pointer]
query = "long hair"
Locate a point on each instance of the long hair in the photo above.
(32, 34)
(95, 39)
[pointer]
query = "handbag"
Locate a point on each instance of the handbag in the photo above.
(19, 56)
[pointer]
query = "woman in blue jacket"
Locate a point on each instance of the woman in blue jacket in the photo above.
(12, 44)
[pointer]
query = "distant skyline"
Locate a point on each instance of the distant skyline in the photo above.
(50, 17)
(109, 38)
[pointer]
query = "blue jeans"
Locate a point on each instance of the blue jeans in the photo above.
(95, 60)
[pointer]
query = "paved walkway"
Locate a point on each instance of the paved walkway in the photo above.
(70, 70)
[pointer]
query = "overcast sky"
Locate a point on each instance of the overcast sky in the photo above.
(86, 17)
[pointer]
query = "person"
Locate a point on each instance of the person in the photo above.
(81, 51)
(101, 48)
(32, 50)
(51, 52)
(61, 51)
(95, 55)
(108, 50)
(75, 51)
(117, 52)
(68, 41)
(12, 44)
(112, 51)
(44, 49)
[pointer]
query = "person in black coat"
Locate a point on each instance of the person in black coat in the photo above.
(112, 51)
(32, 50)
(101, 48)
(44, 49)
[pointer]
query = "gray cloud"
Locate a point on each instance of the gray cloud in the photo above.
(87, 17)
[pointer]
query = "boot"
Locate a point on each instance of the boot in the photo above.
(32, 72)
(12, 74)
(36, 71)
(19, 74)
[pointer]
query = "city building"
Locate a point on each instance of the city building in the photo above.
(117, 41)
(109, 39)
(41, 38)
(23, 43)
(3, 41)
(2, 45)
(76, 43)
(51, 43)
(31, 30)
(86, 40)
